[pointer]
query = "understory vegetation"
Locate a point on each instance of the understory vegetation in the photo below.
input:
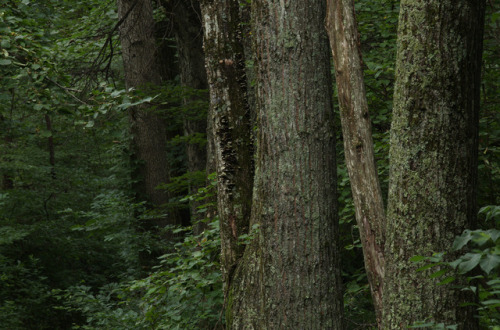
(76, 248)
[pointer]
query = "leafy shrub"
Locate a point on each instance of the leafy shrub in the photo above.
(185, 292)
(478, 259)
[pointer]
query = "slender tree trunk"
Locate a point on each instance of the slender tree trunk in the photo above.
(289, 276)
(358, 143)
(225, 62)
(433, 154)
(186, 16)
(140, 60)
(7, 182)
(50, 144)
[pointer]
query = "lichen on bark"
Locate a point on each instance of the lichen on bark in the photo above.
(230, 119)
(433, 155)
(289, 276)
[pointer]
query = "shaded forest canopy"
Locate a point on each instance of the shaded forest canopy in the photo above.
(182, 164)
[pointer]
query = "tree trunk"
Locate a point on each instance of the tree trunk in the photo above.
(50, 145)
(433, 155)
(289, 276)
(225, 62)
(140, 59)
(7, 182)
(358, 143)
(186, 16)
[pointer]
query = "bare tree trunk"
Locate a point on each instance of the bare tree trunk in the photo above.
(289, 276)
(186, 16)
(50, 144)
(432, 189)
(230, 114)
(140, 60)
(358, 143)
(7, 182)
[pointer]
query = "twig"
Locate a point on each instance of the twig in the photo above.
(67, 90)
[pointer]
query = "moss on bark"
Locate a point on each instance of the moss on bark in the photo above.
(433, 155)
(289, 276)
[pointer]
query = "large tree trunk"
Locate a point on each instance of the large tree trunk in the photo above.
(433, 155)
(358, 143)
(140, 60)
(230, 116)
(289, 276)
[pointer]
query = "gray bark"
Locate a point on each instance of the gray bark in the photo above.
(433, 155)
(289, 276)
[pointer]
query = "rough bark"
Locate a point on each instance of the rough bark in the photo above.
(140, 58)
(188, 32)
(289, 276)
(225, 63)
(433, 155)
(358, 143)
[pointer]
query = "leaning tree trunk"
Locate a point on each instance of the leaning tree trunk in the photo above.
(289, 276)
(358, 143)
(231, 128)
(139, 51)
(433, 155)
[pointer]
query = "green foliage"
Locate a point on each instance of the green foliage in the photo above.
(73, 248)
(489, 123)
(185, 291)
(479, 264)
(24, 292)
(102, 310)
(42, 48)
(433, 326)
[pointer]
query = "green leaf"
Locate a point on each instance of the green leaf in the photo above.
(494, 234)
(151, 291)
(489, 262)
(5, 43)
(421, 269)
(471, 261)
(491, 302)
(197, 254)
(417, 258)
(447, 280)
(462, 240)
(5, 62)
(481, 237)
(117, 93)
(439, 273)
(10, 234)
